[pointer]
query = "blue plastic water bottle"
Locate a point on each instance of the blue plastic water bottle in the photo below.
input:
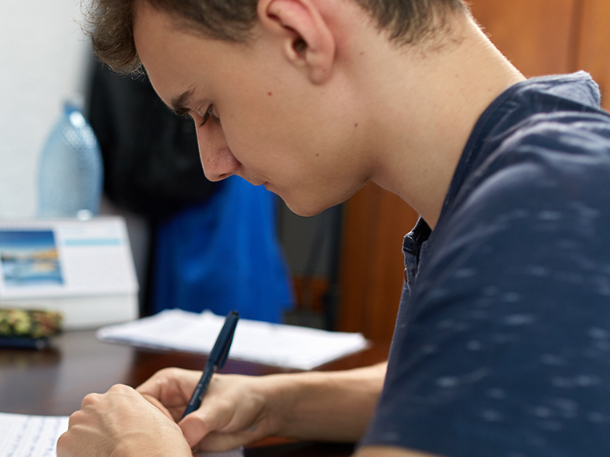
(70, 172)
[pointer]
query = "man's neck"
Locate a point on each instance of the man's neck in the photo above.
(426, 105)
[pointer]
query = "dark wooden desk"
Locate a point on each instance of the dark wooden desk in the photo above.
(54, 381)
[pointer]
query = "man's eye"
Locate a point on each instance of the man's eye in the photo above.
(206, 115)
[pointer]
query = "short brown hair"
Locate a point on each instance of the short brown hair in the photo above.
(110, 22)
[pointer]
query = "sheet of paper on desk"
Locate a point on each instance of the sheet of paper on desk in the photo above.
(36, 436)
(271, 344)
(32, 436)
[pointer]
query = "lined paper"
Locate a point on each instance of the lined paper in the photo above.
(30, 436)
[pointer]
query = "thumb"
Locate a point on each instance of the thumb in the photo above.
(197, 425)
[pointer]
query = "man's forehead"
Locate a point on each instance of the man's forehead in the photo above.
(159, 47)
(147, 19)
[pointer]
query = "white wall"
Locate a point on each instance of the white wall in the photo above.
(42, 61)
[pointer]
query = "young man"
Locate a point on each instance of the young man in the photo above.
(502, 343)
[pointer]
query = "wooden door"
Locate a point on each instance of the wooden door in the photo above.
(540, 37)
(592, 44)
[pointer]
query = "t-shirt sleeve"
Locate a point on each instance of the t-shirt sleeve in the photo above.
(503, 348)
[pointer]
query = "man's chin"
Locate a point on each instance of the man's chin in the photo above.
(304, 210)
(298, 207)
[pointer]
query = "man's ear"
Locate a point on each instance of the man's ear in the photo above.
(307, 39)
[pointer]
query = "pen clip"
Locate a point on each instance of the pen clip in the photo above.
(220, 352)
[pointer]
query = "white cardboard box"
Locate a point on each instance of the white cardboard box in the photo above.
(83, 269)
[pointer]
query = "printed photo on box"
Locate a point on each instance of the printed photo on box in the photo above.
(29, 258)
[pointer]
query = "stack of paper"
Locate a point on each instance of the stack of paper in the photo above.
(261, 342)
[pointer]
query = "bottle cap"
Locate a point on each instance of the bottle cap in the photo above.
(74, 102)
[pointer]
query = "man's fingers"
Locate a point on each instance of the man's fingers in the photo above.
(155, 385)
(196, 425)
(215, 429)
(211, 417)
(171, 386)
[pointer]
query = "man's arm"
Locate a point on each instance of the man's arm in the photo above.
(237, 410)
(334, 406)
(387, 451)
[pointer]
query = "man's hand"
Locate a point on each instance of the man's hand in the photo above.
(120, 423)
(388, 451)
(235, 411)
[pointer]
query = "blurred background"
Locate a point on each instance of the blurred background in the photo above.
(345, 264)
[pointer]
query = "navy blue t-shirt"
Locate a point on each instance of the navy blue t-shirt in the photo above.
(502, 342)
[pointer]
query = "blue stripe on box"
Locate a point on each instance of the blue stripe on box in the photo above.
(94, 242)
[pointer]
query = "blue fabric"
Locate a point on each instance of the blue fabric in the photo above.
(502, 343)
(224, 255)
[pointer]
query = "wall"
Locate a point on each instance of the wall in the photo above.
(44, 58)
(42, 61)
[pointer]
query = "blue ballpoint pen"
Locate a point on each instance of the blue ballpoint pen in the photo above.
(216, 360)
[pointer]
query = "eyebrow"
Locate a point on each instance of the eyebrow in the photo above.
(179, 104)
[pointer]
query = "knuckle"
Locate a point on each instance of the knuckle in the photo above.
(119, 388)
(164, 372)
(90, 399)
(62, 443)
(172, 371)
(167, 373)
(75, 418)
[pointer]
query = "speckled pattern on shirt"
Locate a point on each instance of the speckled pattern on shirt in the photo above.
(502, 343)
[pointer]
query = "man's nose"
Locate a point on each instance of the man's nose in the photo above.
(216, 158)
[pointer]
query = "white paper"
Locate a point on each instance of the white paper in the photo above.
(36, 436)
(271, 344)
(30, 436)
